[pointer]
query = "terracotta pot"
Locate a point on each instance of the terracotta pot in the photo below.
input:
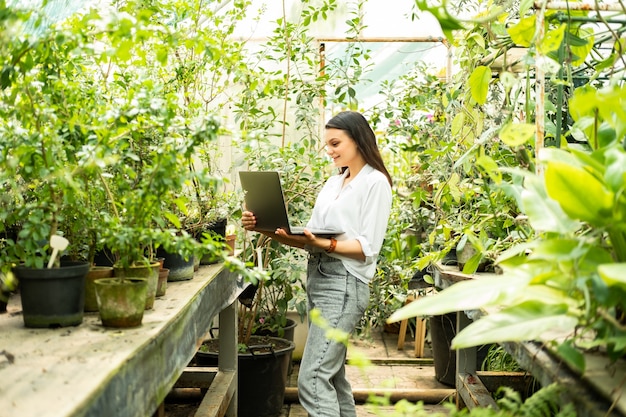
(161, 261)
(162, 284)
(121, 301)
(230, 241)
(151, 272)
(95, 272)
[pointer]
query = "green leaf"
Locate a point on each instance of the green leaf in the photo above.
(524, 31)
(615, 173)
(479, 83)
(490, 167)
(524, 6)
(544, 214)
(572, 356)
(613, 274)
(458, 123)
(173, 219)
(552, 40)
(6, 76)
(580, 47)
(527, 321)
(472, 263)
(447, 22)
(471, 294)
(516, 134)
(579, 193)
(161, 54)
(583, 102)
(124, 49)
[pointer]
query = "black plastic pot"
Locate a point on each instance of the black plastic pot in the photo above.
(215, 228)
(442, 331)
(53, 297)
(288, 332)
(104, 257)
(181, 269)
(263, 373)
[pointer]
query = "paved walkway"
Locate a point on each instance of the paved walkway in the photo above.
(397, 373)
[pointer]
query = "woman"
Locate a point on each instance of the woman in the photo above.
(357, 201)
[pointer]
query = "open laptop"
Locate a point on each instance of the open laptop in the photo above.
(263, 194)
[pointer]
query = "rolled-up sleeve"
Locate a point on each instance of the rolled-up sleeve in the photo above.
(375, 216)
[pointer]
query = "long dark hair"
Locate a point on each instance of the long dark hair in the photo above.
(356, 126)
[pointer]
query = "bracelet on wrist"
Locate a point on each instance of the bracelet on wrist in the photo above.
(333, 245)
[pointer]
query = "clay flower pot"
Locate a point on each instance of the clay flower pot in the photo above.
(121, 301)
(95, 272)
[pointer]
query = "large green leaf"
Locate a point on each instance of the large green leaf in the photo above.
(579, 193)
(583, 102)
(524, 31)
(447, 22)
(552, 40)
(580, 47)
(615, 173)
(544, 213)
(465, 295)
(609, 103)
(613, 274)
(516, 134)
(479, 83)
(528, 321)
(572, 356)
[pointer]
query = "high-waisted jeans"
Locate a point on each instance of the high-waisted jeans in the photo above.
(342, 299)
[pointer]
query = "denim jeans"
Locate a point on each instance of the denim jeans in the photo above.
(342, 299)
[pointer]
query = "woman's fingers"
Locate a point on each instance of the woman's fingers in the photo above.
(248, 221)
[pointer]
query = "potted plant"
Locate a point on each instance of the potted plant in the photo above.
(42, 174)
(264, 357)
(117, 134)
(211, 209)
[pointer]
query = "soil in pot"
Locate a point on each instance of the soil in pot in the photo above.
(53, 297)
(150, 272)
(95, 272)
(263, 372)
(121, 301)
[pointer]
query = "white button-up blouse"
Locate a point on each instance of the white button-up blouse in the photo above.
(361, 209)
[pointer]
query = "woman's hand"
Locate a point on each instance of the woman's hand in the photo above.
(299, 240)
(248, 220)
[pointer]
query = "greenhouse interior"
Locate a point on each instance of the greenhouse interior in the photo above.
(464, 162)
